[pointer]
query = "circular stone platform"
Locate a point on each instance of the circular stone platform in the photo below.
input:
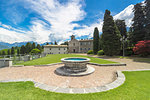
(64, 72)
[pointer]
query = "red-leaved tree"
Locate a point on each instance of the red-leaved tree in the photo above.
(142, 48)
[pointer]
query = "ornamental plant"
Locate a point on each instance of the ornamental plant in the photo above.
(142, 48)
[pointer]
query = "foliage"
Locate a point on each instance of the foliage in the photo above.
(39, 47)
(35, 51)
(90, 52)
(3, 53)
(28, 47)
(56, 58)
(33, 45)
(147, 20)
(55, 43)
(22, 50)
(142, 48)
(122, 27)
(8, 52)
(18, 51)
(138, 24)
(95, 40)
(65, 43)
(12, 51)
(111, 36)
(100, 52)
(129, 52)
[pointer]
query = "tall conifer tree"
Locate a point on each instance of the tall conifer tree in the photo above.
(110, 36)
(95, 40)
(147, 21)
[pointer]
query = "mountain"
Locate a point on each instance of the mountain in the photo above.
(4, 45)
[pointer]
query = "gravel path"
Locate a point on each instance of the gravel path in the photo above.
(102, 75)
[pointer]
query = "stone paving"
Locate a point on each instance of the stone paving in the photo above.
(103, 79)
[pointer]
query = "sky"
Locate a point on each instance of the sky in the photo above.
(56, 20)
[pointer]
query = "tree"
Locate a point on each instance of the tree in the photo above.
(33, 45)
(35, 51)
(0, 53)
(138, 25)
(8, 52)
(56, 43)
(95, 40)
(12, 51)
(22, 50)
(65, 43)
(147, 20)
(39, 47)
(110, 36)
(51, 43)
(3, 52)
(142, 48)
(28, 47)
(121, 27)
(18, 51)
(47, 43)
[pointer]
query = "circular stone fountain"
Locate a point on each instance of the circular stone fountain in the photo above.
(75, 66)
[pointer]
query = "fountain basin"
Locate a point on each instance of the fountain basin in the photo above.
(75, 64)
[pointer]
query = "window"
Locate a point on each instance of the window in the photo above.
(64, 48)
(59, 49)
(85, 48)
(85, 43)
(80, 43)
(89, 48)
(80, 48)
(59, 52)
(64, 52)
(89, 43)
(73, 44)
(49, 48)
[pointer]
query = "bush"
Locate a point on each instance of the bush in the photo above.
(129, 52)
(142, 48)
(100, 52)
(90, 52)
(35, 51)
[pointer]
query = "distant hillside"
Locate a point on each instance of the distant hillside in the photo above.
(4, 45)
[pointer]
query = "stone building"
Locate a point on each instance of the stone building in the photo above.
(55, 49)
(79, 46)
(74, 46)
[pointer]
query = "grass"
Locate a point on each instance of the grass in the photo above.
(136, 87)
(56, 58)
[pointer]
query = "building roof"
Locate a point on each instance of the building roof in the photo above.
(85, 40)
(57, 46)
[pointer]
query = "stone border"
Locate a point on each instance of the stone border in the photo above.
(119, 81)
(120, 64)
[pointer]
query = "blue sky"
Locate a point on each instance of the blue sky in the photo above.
(49, 20)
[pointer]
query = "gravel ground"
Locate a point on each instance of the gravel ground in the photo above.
(102, 75)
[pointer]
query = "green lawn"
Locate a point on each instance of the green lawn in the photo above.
(136, 87)
(56, 58)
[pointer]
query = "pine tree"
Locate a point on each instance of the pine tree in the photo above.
(0, 53)
(28, 48)
(56, 43)
(47, 43)
(110, 36)
(33, 45)
(3, 52)
(147, 20)
(18, 51)
(138, 25)
(95, 40)
(22, 50)
(39, 47)
(12, 51)
(8, 52)
(121, 27)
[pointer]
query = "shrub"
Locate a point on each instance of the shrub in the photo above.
(100, 52)
(129, 52)
(35, 51)
(90, 52)
(142, 48)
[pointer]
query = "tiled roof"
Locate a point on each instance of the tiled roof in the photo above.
(59, 46)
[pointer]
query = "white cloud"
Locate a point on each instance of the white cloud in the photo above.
(127, 15)
(59, 24)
